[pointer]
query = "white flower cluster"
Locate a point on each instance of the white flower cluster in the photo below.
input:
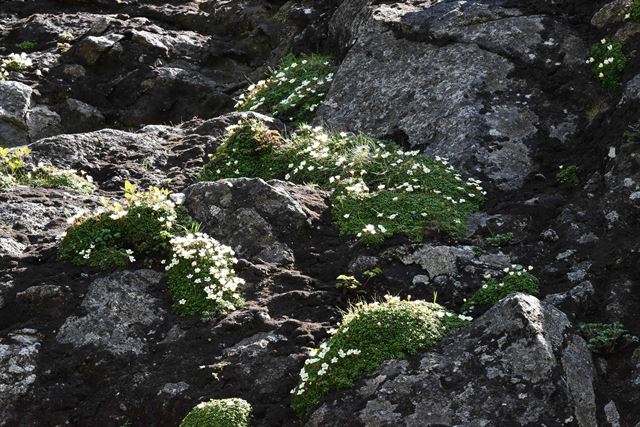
(15, 62)
(312, 89)
(605, 62)
(318, 355)
(212, 267)
(372, 230)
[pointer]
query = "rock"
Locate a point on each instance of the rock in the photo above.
(521, 363)
(455, 95)
(611, 13)
(43, 122)
(109, 156)
(174, 389)
(91, 48)
(612, 415)
(260, 220)
(438, 260)
(576, 300)
(119, 311)
(15, 100)
(43, 295)
(19, 351)
(80, 116)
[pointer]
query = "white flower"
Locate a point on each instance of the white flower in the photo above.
(182, 301)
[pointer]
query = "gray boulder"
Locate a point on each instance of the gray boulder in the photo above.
(260, 220)
(521, 363)
(440, 78)
(15, 100)
(119, 312)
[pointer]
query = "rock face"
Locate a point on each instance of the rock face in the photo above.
(18, 359)
(15, 100)
(117, 306)
(519, 364)
(267, 217)
(456, 93)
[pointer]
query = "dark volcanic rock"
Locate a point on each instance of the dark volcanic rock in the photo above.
(260, 220)
(518, 364)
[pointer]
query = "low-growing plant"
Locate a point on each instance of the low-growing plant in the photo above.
(53, 177)
(26, 45)
(219, 413)
(351, 283)
(66, 37)
(13, 171)
(293, 91)
(115, 235)
(201, 278)
(368, 335)
(516, 279)
(608, 61)
(377, 189)
(12, 161)
(568, 175)
(632, 11)
(16, 62)
(604, 337)
(500, 239)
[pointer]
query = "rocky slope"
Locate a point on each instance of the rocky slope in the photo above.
(143, 90)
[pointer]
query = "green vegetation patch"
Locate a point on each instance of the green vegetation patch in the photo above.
(368, 335)
(568, 175)
(13, 171)
(608, 61)
(516, 279)
(500, 239)
(113, 237)
(201, 276)
(632, 12)
(604, 337)
(293, 91)
(219, 413)
(148, 224)
(377, 189)
(26, 45)
(53, 177)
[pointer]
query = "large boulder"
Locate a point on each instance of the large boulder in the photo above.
(260, 220)
(446, 78)
(521, 363)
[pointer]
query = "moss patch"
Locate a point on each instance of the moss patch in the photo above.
(516, 279)
(368, 335)
(378, 189)
(219, 413)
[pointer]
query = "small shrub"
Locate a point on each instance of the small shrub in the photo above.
(377, 189)
(568, 175)
(201, 276)
(516, 279)
(604, 337)
(293, 91)
(608, 62)
(219, 413)
(500, 239)
(368, 335)
(26, 45)
(114, 236)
